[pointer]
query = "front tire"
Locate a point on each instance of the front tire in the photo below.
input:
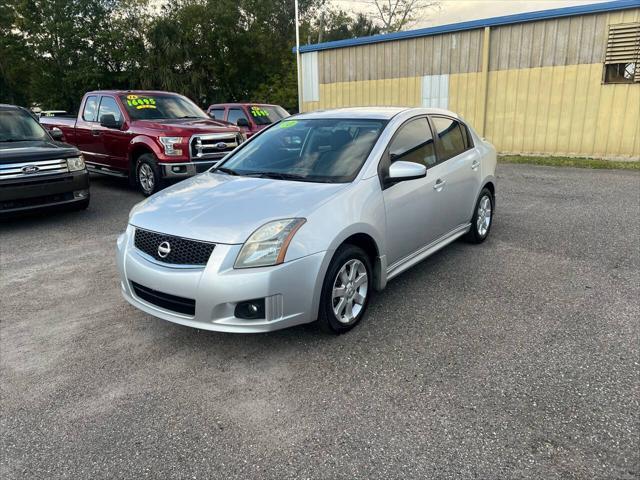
(346, 290)
(482, 217)
(148, 175)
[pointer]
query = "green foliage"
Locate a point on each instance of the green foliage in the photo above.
(52, 51)
(594, 163)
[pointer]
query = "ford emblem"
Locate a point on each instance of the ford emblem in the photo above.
(30, 169)
(221, 145)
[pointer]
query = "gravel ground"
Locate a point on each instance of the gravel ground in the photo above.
(518, 358)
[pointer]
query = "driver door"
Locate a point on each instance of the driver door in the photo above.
(411, 207)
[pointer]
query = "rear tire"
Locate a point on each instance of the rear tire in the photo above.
(482, 217)
(347, 287)
(148, 175)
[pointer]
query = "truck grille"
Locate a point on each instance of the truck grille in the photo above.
(213, 146)
(174, 303)
(181, 251)
(32, 169)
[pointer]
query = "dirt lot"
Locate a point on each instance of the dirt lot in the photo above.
(518, 358)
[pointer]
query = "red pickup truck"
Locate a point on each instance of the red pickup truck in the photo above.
(250, 117)
(149, 137)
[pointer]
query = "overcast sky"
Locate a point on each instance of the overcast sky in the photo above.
(452, 11)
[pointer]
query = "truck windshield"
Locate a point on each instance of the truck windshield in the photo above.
(18, 126)
(267, 114)
(322, 150)
(160, 107)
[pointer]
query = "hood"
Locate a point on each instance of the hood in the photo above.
(227, 209)
(32, 151)
(188, 126)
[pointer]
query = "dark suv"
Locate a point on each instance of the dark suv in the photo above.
(36, 170)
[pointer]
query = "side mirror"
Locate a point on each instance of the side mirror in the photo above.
(212, 115)
(56, 134)
(109, 121)
(243, 122)
(401, 171)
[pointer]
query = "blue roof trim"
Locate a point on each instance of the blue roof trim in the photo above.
(471, 25)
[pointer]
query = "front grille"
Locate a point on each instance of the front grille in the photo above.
(182, 251)
(174, 303)
(33, 169)
(213, 146)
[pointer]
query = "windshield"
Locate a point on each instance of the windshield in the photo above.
(18, 126)
(267, 114)
(308, 150)
(160, 107)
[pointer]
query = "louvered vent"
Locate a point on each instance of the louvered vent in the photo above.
(622, 60)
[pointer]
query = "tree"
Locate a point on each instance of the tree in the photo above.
(394, 15)
(338, 25)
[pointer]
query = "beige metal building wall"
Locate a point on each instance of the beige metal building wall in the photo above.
(532, 87)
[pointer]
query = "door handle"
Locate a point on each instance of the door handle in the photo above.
(475, 164)
(95, 133)
(439, 185)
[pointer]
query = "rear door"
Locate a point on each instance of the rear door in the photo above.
(459, 174)
(87, 131)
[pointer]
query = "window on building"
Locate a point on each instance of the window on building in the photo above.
(622, 59)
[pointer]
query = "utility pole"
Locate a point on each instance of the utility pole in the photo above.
(298, 57)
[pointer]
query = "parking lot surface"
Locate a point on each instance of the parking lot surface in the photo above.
(518, 358)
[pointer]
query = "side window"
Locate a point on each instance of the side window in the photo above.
(235, 114)
(108, 106)
(90, 109)
(217, 113)
(414, 143)
(452, 139)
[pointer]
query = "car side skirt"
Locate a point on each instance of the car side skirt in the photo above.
(416, 257)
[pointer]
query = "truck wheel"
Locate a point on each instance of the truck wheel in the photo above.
(148, 177)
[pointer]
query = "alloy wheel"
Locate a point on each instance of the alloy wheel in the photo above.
(350, 289)
(483, 221)
(147, 178)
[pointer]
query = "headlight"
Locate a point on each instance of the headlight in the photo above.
(268, 244)
(75, 163)
(169, 144)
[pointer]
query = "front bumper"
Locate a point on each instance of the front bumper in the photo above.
(24, 193)
(180, 170)
(289, 289)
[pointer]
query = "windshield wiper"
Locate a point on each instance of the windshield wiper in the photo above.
(279, 175)
(226, 170)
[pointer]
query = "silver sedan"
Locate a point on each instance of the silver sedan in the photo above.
(307, 219)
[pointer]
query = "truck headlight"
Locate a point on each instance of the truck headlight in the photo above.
(268, 244)
(169, 144)
(75, 163)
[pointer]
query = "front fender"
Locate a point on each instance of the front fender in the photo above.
(143, 142)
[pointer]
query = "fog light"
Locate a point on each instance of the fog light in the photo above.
(179, 169)
(250, 310)
(81, 194)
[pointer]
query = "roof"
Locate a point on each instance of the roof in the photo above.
(133, 92)
(474, 24)
(246, 104)
(370, 113)
(367, 113)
